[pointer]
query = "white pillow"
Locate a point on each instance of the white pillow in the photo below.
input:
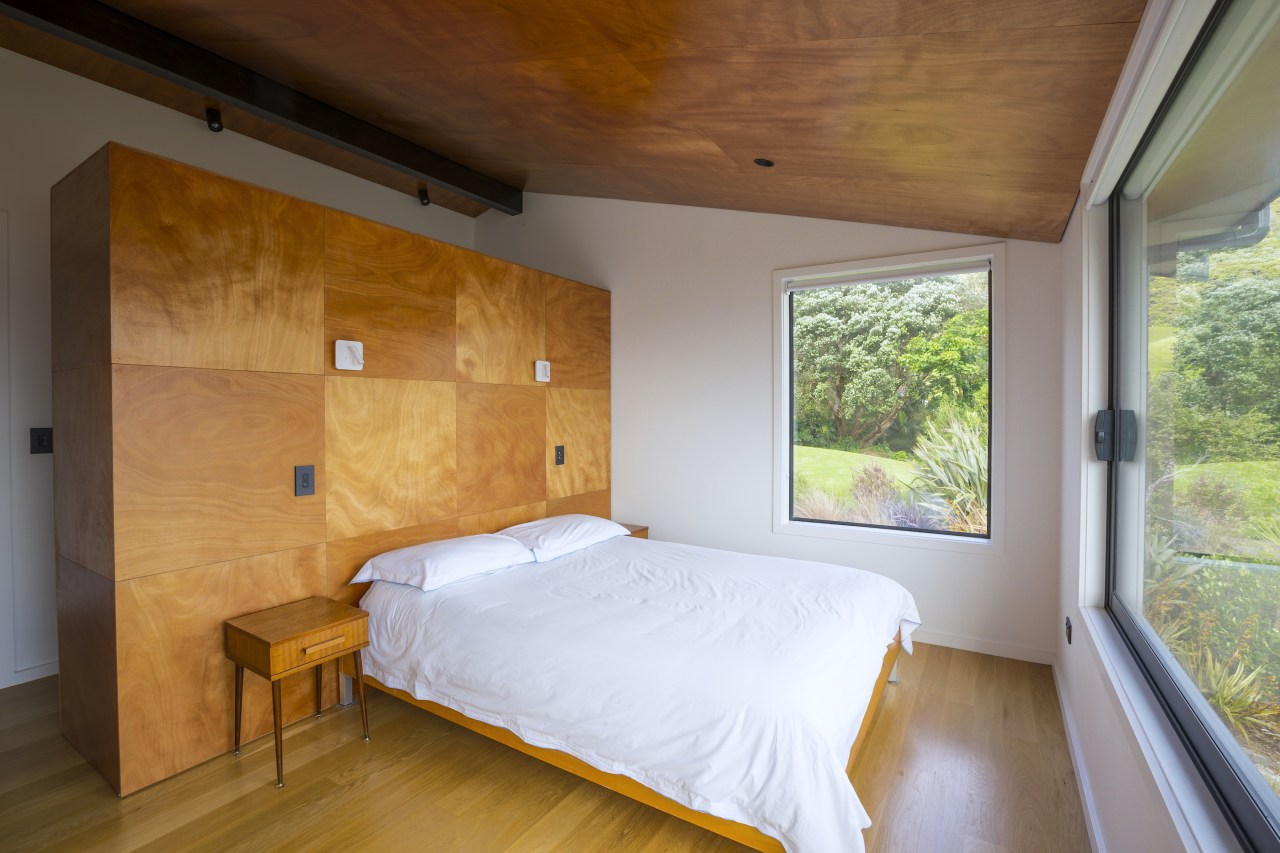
(431, 565)
(549, 538)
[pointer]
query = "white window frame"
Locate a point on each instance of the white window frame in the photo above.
(884, 269)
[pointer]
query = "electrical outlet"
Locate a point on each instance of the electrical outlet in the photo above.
(559, 454)
(304, 480)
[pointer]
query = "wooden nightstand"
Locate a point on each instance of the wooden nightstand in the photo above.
(638, 531)
(290, 639)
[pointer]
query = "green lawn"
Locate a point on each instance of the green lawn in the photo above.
(1260, 481)
(832, 470)
(1160, 349)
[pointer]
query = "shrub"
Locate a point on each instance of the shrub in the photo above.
(1165, 589)
(818, 504)
(952, 462)
(1215, 436)
(1233, 693)
(1232, 611)
(1207, 514)
(873, 495)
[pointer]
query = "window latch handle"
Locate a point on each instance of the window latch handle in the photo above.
(1115, 435)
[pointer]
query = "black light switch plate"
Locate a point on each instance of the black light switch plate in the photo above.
(559, 454)
(42, 439)
(304, 480)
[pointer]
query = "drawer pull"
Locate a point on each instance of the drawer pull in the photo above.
(319, 647)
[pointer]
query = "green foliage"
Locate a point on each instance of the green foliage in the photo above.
(1229, 349)
(1233, 692)
(850, 379)
(1215, 436)
(1208, 510)
(1232, 611)
(952, 460)
(1268, 530)
(953, 365)
(1165, 590)
(1261, 260)
(1162, 301)
(1220, 620)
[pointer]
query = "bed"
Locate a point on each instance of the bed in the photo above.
(728, 689)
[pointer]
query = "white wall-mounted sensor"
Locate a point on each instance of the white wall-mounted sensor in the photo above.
(542, 371)
(348, 355)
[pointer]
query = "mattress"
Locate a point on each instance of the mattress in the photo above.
(734, 684)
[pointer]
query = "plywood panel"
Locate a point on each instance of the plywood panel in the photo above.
(389, 450)
(501, 444)
(211, 272)
(579, 420)
(501, 321)
(83, 501)
(394, 292)
(589, 503)
(80, 266)
(346, 556)
(492, 522)
(577, 334)
(87, 666)
(176, 695)
(204, 465)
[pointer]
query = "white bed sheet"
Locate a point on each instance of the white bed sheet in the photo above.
(731, 683)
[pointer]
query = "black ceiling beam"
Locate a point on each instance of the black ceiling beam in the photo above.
(136, 43)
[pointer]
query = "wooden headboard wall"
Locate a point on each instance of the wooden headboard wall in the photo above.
(194, 318)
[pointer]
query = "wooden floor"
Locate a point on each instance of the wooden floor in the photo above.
(968, 755)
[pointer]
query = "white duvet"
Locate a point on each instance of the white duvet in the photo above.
(733, 684)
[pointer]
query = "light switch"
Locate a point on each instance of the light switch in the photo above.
(304, 480)
(348, 355)
(542, 371)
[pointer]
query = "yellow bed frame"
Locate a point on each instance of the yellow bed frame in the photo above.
(748, 835)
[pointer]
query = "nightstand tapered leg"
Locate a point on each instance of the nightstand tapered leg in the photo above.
(364, 709)
(275, 713)
(239, 702)
(319, 686)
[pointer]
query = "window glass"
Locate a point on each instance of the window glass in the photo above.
(1196, 559)
(890, 402)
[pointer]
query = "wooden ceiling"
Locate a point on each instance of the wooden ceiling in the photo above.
(972, 116)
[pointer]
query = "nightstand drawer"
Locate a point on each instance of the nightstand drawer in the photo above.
(276, 642)
(306, 649)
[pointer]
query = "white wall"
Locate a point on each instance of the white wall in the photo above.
(52, 122)
(1137, 783)
(693, 394)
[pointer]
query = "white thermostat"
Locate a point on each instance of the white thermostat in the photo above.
(348, 355)
(542, 371)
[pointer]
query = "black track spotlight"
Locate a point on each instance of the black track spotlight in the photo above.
(213, 117)
(423, 197)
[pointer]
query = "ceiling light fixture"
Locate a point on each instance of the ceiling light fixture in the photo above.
(213, 118)
(764, 163)
(423, 197)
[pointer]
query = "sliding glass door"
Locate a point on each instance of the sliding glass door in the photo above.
(1195, 528)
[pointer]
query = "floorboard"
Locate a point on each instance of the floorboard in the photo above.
(968, 754)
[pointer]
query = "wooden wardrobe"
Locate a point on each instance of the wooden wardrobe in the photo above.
(193, 326)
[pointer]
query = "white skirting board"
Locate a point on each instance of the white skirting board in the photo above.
(1082, 777)
(985, 647)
